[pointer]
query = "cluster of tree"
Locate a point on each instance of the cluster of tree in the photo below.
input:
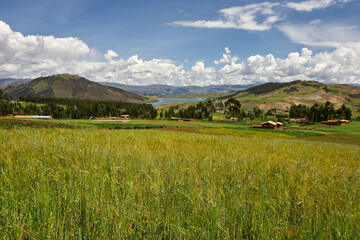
(312, 84)
(290, 90)
(203, 110)
(61, 108)
(2, 95)
(326, 89)
(354, 95)
(318, 113)
(5, 104)
(234, 110)
(270, 112)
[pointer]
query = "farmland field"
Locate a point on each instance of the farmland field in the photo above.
(181, 180)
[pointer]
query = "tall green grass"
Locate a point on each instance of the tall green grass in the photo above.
(96, 183)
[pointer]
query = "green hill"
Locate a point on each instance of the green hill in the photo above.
(283, 95)
(70, 86)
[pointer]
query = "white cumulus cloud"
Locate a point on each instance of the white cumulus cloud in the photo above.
(240, 17)
(310, 5)
(34, 53)
(227, 58)
(110, 54)
(258, 16)
(34, 56)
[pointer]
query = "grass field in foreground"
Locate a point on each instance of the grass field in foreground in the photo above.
(100, 183)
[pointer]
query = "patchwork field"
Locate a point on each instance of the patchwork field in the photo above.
(67, 179)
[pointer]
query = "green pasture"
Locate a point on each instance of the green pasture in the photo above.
(352, 129)
(162, 179)
(99, 183)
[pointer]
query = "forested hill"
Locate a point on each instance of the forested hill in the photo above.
(70, 86)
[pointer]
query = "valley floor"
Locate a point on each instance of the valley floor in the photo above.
(184, 180)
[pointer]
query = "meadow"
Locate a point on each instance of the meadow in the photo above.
(201, 180)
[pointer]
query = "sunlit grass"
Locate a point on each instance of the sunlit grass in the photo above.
(93, 183)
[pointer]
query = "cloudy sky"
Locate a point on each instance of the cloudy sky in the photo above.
(202, 42)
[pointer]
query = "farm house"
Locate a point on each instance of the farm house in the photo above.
(272, 125)
(336, 122)
(33, 117)
(297, 120)
(125, 116)
(189, 120)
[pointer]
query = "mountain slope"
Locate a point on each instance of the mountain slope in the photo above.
(283, 95)
(69, 86)
(172, 90)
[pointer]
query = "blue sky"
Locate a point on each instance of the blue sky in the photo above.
(182, 42)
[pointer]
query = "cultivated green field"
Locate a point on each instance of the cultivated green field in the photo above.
(78, 179)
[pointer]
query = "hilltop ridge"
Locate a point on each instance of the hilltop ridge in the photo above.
(69, 86)
(283, 95)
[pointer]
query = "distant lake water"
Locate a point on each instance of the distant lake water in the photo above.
(170, 100)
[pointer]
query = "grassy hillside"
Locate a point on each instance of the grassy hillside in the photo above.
(211, 183)
(69, 86)
(283, 95)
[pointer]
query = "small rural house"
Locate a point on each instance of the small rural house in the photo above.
(272, 125)
(175, 119)
(297, 120)
(189, 120)
(33, 117)
(336, 122)
(125, 116)
(43, 117)
(23, 116)
(343, 122)
(232, 119)
(183, 119)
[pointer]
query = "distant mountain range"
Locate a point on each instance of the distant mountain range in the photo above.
(13, 81)
(154, 89)
(172, 90)
(69, 86)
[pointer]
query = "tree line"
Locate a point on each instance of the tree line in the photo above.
(62, 108)
(318, 113)
(203, 110)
